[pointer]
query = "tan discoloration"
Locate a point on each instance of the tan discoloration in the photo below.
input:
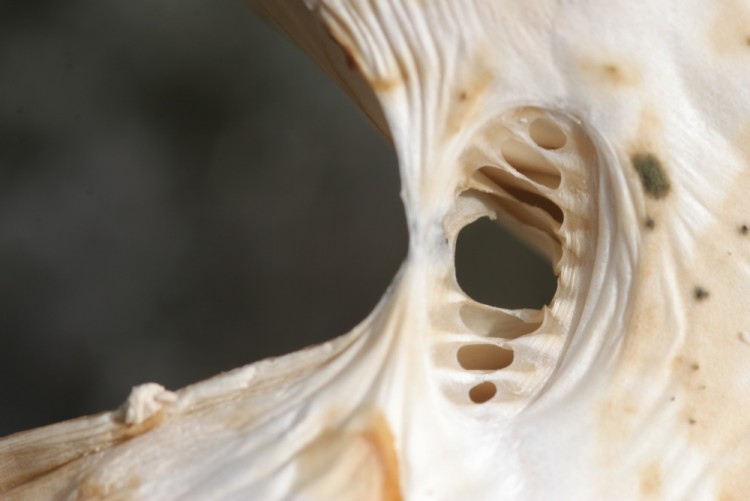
(355, 62)
(610, 71)
(729, 31)
(689, 351)
(741, 143)
(650, 481)
(380, 438)
(467, 98)
(360, 71)
(363, 450)
(713, 394)
(616, 417)
(692, 373)
(50, 464)
(381, 85)
(91, 489)
(619, 75)
(734, 482)
(649, 129)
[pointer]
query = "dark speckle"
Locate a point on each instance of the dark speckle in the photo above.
(349, 58)
(700, 293)
(351, 63)
(462, 96)
(695, 366)
(744, 229)
(650, 223)
(692, 421)
(652, 174)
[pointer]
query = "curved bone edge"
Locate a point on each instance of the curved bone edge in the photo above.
(634, 386)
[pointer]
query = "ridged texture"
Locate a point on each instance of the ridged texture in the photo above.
(610, 136)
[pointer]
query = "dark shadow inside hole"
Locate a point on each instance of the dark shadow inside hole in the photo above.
(535, 200)
(493, 267)
(523, 194)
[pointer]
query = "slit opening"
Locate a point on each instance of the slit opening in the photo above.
(531, 163)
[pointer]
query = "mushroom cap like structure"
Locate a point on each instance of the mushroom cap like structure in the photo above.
(614, 138)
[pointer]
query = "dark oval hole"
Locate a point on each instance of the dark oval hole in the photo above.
(495, 268)
(482, 392)
(484, 357)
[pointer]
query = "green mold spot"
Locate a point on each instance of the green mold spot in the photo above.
(652, 174)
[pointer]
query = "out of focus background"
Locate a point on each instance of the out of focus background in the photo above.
(183, 192)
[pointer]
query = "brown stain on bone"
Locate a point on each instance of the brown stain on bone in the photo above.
(380, 438)
(741, 144)
(650, 481)
(704, 404)
(729, 31)
(466, 99)
(41, 461)
(616, 416)
(609, 71)
(354, 62)
(363, 449)
(734, 482)
(619, 75)
(93, 489)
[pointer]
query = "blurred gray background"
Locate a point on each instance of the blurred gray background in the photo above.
(183, 192)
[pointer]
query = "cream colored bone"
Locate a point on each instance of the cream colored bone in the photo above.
(614, 137)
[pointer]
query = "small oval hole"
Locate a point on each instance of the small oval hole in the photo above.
(482, 392)
(547, 134)
(484, 357)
